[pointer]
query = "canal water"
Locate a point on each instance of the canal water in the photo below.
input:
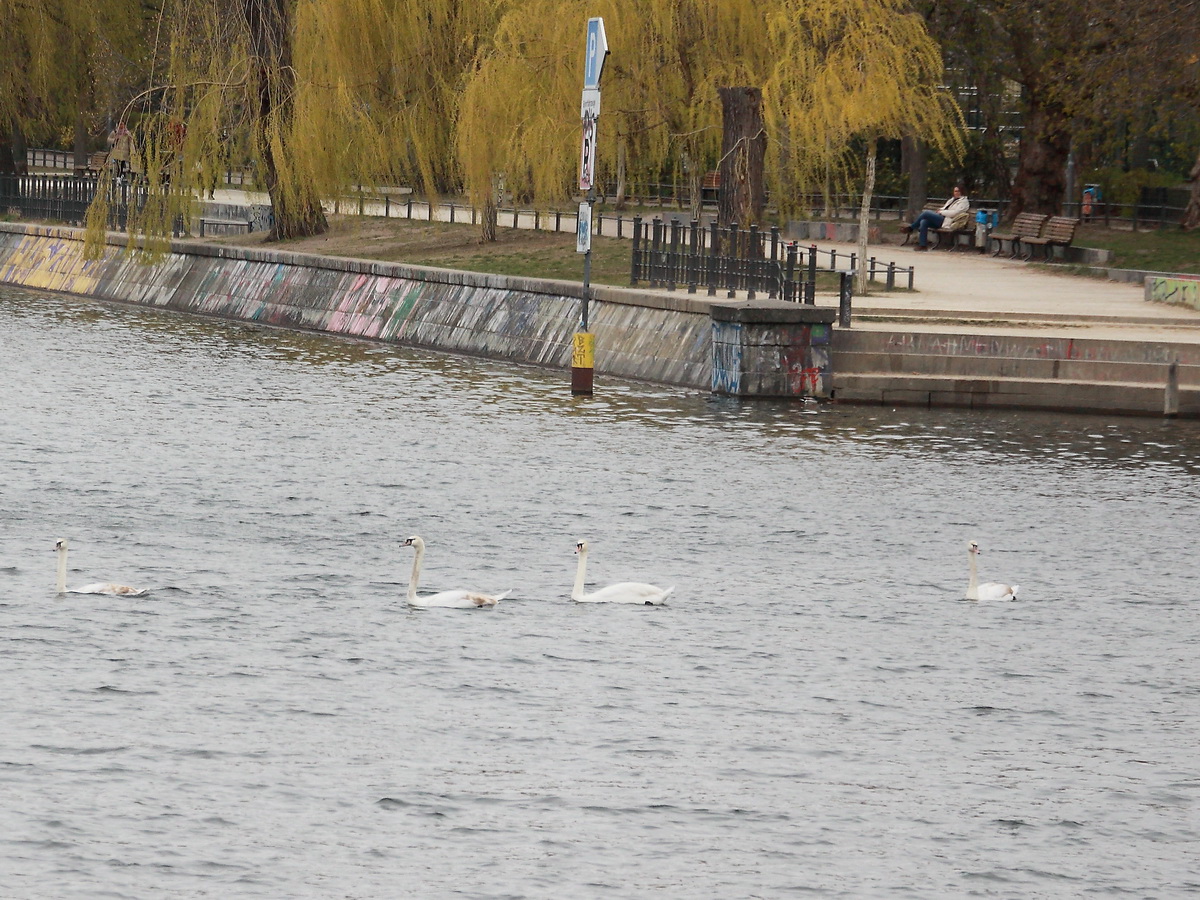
(815, 713)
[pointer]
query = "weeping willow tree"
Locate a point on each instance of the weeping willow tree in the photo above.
(855, 71)
(325, 95)
(66, 65)
(519, 114)
(831, 73)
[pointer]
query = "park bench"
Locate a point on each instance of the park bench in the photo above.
(97, 161)
(210, 226)
(710, 185)
(949, 231)
(1059, 231)
(1024, 226)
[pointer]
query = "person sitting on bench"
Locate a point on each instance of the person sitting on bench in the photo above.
(958, 203)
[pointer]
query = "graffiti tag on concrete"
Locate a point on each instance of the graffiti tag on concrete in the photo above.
(1176, 290)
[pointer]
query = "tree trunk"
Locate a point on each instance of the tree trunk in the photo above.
(743, 149)
(914, 154)
(827, 185)
(1042, 165)
(20, 152)
(7, 155)
(80, 146)
(297, 210)
(864, 218)
(487, 223)
(622, 185)
(1191, 218)
(696, 192)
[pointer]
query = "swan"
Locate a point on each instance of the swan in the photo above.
(622, 592)
(445, 599)
(100, 587)
(989, 590)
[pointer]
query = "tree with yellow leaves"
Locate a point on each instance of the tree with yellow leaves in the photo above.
(332, 94)
(830, 73)
(66, 64)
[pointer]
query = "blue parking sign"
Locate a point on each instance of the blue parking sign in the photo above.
(597, 50)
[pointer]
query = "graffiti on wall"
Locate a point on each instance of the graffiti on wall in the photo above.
(1023, 348)
(1178, 290)
(726, 358)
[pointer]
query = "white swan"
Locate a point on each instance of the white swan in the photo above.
(623, 592)
(445, 599)
(100, 587)
(989, 590)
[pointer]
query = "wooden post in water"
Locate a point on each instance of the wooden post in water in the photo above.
(1171, 393)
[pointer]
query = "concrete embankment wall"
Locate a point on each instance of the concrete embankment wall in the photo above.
(660, 339)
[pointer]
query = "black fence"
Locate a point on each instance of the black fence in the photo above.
(1156, 207)
(733, 259)
(66, 198)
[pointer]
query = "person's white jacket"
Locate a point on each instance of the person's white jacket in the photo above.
(954, 206)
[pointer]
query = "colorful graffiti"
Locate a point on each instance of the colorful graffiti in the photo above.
(389, 303)
(1178, 290)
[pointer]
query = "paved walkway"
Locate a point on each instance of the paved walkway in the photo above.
(956, 289)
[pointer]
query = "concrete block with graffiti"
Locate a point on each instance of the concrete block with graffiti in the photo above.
(1178, 290)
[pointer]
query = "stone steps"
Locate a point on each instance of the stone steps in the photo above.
(963, 318)
(1013, 372)
(1012, 393)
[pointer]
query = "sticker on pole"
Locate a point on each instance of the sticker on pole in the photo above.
(589, 105)
(583, 350)
(583, 229)
(587, 155)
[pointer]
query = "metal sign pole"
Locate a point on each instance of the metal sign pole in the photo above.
(583, 355)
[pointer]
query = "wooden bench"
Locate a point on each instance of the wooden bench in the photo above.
(224, 226)
(1024, 226)
(1059, 231)
(948, 230)
(710, 185)
(97, 161)
(961, 225)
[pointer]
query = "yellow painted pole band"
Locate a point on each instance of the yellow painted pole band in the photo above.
(583, 353)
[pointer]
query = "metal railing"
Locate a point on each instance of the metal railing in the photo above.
(65, 159)
(670, 254)
(66, 198)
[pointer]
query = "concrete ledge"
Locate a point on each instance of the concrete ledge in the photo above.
(1176, 290)
(771, 312)
(1011, 393)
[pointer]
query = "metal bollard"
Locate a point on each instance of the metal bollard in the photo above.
(845, 292)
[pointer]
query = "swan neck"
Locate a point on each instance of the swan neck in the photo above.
(972, 592)
(418, 556)
(62, 570)
(577, 591)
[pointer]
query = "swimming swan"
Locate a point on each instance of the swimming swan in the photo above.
(623, 592)
(445, 599)
(989, 590)
(100, 587)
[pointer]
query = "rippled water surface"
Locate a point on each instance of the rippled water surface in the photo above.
(815, 713)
